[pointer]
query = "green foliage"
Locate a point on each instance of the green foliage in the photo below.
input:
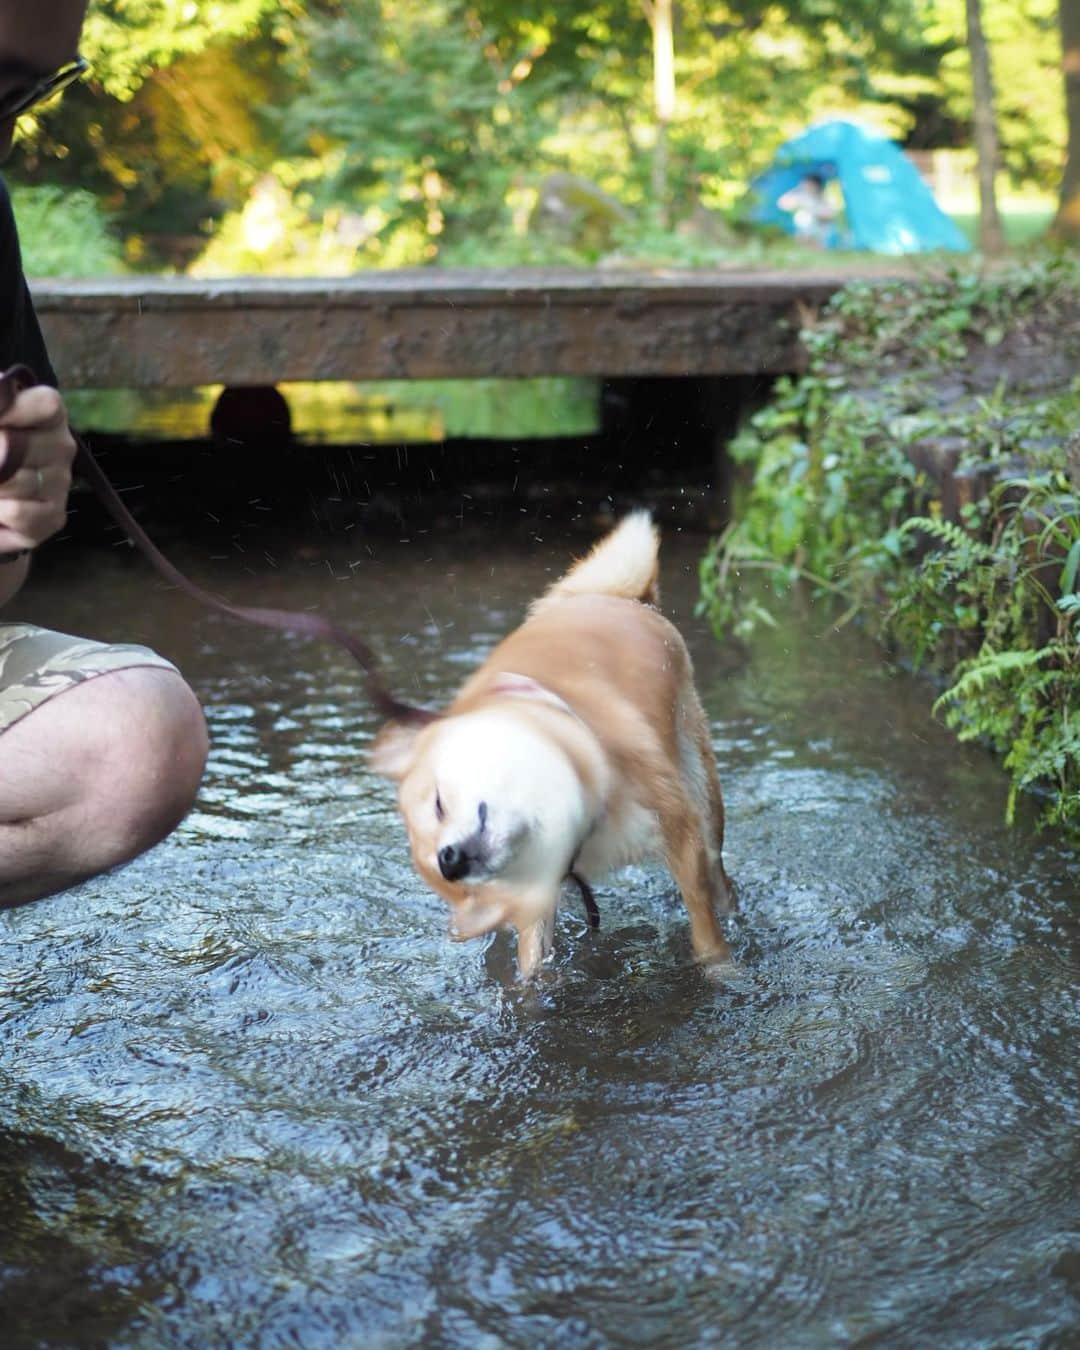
(1013, 692)
(977, 371)
(64, 234)
(445, 116)
(412, 111)
(128, 41)
(276, 232)
(492, 409)
(171, 128)
(1025, 51)
(439, 120)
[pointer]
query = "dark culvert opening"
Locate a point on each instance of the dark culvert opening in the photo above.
(660, 442)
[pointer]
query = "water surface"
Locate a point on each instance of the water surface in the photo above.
(250, 1093)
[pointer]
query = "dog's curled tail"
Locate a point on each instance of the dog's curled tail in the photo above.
(625, 563)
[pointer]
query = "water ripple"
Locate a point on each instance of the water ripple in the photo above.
(250, 1094)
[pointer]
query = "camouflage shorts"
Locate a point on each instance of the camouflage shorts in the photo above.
(36, 665)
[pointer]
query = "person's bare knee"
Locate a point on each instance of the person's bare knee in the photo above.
(154, 771)
(95, 776)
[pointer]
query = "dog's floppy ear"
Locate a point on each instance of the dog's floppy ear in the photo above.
(392, 751)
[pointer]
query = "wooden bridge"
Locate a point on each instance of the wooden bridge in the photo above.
(153, 333)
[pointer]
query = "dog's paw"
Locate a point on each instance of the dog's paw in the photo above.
(473, 917)
(725, 972)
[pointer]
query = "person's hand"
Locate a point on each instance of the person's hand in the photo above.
(33, 502)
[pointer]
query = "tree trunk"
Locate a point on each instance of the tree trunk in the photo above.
(991, 239)
(1067, 221)
(660, 18)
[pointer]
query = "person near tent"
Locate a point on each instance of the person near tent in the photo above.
(811, 211)
(878, 199)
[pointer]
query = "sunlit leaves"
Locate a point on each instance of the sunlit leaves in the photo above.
(128, 40)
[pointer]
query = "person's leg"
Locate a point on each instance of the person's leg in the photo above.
(95, 774)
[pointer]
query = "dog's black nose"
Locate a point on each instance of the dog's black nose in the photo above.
(453, 862)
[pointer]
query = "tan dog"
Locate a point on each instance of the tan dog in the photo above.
(579, 745)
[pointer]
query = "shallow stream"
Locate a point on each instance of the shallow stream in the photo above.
(251, 1095)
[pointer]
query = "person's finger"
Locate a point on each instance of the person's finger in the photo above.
(40, 408)
(39, 482)
(36, 448)
(29, 523)
(9, 542)
(13, 449)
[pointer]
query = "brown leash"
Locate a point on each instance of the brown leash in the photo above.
(18, 378)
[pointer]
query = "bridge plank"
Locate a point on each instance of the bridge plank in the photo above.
(153, 332)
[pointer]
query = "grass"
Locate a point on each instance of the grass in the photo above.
(1023, 223)
(390, 412)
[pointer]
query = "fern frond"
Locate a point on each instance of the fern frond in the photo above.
(984, 669)
(1051, 760)
(955, 536)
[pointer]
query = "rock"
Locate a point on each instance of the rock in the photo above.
(937, 456)
(710, 227)
(1072, 459)
(577, 212)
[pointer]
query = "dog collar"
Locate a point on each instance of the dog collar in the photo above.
(524, 686)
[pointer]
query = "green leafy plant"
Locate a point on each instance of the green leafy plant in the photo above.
(916, 474)
(64, 233)
(1014, 691)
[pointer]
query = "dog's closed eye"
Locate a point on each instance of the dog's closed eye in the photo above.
(440, 810)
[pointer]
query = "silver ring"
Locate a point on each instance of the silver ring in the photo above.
(40, 486)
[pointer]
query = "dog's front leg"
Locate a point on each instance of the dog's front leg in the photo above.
(534, 944)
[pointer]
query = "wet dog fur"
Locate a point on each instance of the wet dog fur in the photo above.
(580, 744)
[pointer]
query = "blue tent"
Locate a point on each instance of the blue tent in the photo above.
(889, 208)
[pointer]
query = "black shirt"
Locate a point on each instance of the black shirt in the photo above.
(20, 336)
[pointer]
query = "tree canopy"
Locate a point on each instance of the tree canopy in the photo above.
(414, 128)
